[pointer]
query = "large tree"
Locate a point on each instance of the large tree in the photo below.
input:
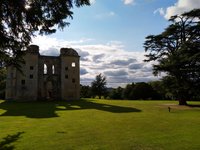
(21, 19)
(177, 52)
(98, 86)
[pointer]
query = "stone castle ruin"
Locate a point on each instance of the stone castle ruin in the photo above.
(45, 77)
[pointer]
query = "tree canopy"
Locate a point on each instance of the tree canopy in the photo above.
(177, 52)
(85, 91)
(116, 93)
(140, 90)
(98, 86)
(22, 19)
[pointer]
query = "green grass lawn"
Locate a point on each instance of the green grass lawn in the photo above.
(99, 124)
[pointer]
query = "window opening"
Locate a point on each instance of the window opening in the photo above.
(31, 67)
(66, 76)
(31, 76)
(73, 64)
(53, 69)
(73, 80)
(45, 69)
(66, 68)
(23, 82)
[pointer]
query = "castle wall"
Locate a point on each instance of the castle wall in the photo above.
(11, 82)
(49, 79)
(45, 77)
(70, 78)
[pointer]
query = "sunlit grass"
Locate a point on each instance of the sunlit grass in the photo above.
(99, 124)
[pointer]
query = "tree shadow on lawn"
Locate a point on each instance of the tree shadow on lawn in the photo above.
(194, 105)
(7, 142)
(48, 109)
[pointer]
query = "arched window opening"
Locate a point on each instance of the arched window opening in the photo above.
(45, 69)
(53, 69)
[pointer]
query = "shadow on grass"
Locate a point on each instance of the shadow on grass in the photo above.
(193, 105)
(48, 109)
(7, 142)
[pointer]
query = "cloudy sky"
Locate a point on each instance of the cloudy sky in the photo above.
(109, 37)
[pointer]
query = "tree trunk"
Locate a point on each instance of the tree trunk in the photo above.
(182, 102)
(99, 96)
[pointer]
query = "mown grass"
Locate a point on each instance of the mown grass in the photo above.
(99, 124)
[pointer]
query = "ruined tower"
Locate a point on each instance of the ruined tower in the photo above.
(45, 77)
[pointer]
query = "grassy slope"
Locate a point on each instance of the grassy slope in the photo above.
(98, 124)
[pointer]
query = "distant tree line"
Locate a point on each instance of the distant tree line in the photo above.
(135, 91)
(154, 90)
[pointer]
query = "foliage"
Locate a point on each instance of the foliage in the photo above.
(177, 51)
(127, 93)
(2, 82)
(98, 86)
(144, 91)
(162, 91)
(140, 90)
(134, 91)
(21, 19)
(85, 91)
(170, 86)
(116, 93)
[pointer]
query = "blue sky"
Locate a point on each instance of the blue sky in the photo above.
(109, 37)
(112, 20)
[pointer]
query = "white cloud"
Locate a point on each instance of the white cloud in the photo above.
(161, 11)
(92, 1)
(105, 15)
(128, 2)
(179, 7)
(120, 66)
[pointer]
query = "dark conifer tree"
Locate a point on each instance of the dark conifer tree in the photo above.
(98, 86)
(177, 51)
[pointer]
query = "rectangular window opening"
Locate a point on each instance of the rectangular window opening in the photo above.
(31, 67)
(73, 64)
(23, 82)
(31, 76)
